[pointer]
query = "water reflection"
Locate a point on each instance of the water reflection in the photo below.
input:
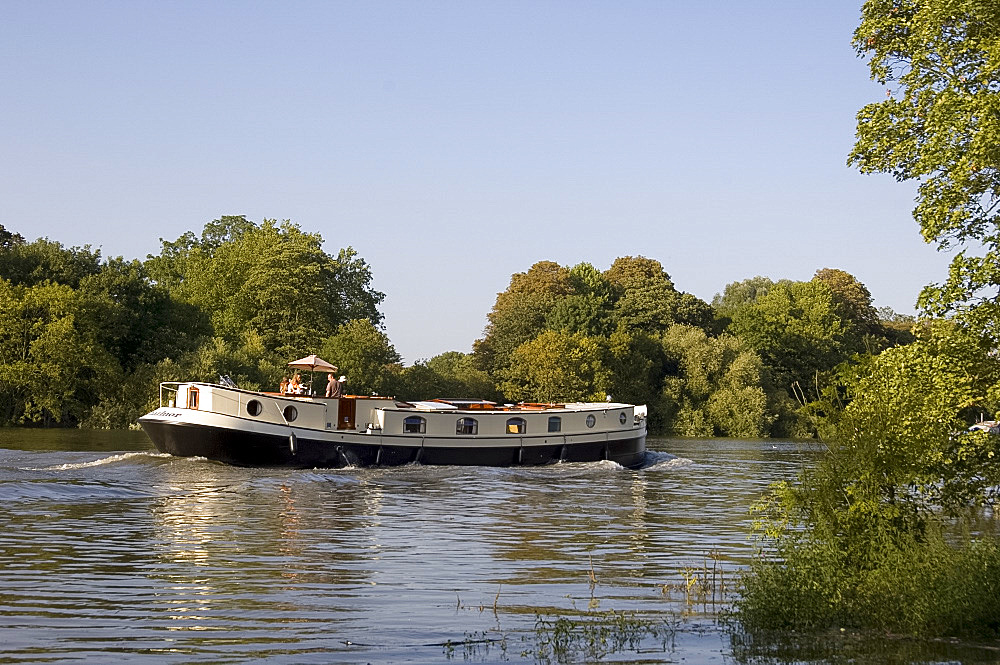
(639, 536)
(123, 554)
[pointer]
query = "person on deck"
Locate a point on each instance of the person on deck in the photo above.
(283, 388)
(296, 385)
(333, 388)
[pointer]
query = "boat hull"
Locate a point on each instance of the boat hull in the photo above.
(301, 448)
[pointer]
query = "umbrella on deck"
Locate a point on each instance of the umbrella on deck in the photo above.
(313, 363)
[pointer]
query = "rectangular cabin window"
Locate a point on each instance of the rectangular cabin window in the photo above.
(555, 424)
(192, 398)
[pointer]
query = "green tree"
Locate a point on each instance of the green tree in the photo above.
(137, 321)
(647, 299)
(939, 125)
(464, 378)
(52, 368)
(852, 298)
(520, 312)
(365, 355)
(638, 364)
(556, 366)
(450, 374)
(9, 239)
(589, 308)
(272, 279)
(43, 260)
(878, 534)
(739, 294)
(798, 331)
(715, 386)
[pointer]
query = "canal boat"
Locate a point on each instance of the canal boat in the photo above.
(228, 424)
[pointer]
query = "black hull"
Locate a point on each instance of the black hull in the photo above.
(254, 449)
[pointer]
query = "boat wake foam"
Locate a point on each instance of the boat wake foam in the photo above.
(660, 461)
(100, 462)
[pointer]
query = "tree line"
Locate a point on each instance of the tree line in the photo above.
(85, 341)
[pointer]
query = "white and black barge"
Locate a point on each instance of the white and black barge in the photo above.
(249, 428)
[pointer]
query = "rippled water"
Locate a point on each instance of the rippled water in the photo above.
(110, 551)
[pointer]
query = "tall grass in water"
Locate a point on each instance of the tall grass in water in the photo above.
(928, 586)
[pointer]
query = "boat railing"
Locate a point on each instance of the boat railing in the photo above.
(168, 390)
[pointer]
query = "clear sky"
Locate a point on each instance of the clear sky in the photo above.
(455, 143)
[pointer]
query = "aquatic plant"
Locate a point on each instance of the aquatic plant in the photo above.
(594, 636)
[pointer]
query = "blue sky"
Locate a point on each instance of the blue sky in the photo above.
(455, 143)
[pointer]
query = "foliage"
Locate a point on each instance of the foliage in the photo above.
(607, 325)
(365, 355)
(28, 264)
(139, 322)
(926, 586)
(637, 363)
(520, 312)
(880, 534)
(86, 341)
(647, 300)
(897, 494)
(9, 239)
(716, 387)
(737, 295)
(243, 298)
(51, 364)
(897, 328)
(851, 297)
(274, 280)
(556, 367)
(797, 330)
(940, 125)
(450, 374)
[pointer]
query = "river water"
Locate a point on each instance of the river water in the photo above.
(111, 552)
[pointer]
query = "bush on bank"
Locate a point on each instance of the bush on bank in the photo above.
(894, 528)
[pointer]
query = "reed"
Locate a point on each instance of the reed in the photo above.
(704, 584)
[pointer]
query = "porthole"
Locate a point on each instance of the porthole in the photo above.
(622, 418)
(254, 408)
(291, 413)
(591, 420)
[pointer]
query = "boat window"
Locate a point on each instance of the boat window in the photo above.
(291, 413)
(516, 425)
(467, 426)
(555, 424)
(591, 420)
(254, 408)
(192, 398)
(414, 425)
(622, 418)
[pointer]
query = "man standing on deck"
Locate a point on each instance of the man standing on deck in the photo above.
(332, 384)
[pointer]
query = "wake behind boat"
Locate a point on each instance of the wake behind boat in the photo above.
(251, 428)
